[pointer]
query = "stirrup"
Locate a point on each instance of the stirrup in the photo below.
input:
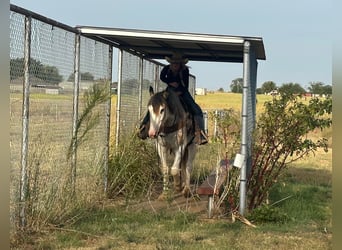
(201, 138)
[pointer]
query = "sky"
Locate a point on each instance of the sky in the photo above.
(297, 35)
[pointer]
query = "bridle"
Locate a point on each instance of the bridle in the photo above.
(163, 130)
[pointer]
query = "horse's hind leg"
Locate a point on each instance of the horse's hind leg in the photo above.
(185, 189)
(177, 182)
(188, 162)
(186, 183)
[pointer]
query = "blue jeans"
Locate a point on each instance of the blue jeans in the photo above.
(194, 109)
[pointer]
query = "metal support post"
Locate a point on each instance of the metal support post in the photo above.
(118, 105)
(75, 111)
(25, 124)
(140, 88)
(246, 83)
(108, 113)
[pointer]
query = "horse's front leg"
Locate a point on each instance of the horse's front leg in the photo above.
(162, 151)
(175, 169)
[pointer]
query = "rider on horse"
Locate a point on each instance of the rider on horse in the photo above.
(176, 76)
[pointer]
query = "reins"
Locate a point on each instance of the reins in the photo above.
(174, 127)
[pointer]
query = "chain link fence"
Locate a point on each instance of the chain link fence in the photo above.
(42, 119)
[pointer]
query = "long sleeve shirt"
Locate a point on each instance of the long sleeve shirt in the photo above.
(182, 78)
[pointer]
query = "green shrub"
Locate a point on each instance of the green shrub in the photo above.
(133, 169)
(281, 137)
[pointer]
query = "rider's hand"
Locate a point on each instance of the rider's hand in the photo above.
(174, 84)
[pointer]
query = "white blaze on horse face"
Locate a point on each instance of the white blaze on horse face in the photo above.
(156, 119)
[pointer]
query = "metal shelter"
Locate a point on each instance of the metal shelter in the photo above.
(158, 44)
(198, 47)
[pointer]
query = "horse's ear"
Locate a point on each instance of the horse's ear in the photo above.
(151, 90)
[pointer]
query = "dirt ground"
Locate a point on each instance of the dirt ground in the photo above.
(196, 204)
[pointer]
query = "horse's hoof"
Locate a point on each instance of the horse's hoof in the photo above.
(162, 197)
(166, 196)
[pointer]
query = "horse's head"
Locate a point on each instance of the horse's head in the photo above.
(158, 108)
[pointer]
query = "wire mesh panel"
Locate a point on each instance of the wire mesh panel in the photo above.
(149, 79)
(52, 61)
(129, 107)
(52, 54)
(94, 70)
(50, 112)
(17, 31)
(159, 84)
(17, 34)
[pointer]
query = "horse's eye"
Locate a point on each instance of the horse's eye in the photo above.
(162, 111)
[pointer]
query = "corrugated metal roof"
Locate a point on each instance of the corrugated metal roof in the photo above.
(194, 46)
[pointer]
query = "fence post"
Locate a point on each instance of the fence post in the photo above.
(118, 105)
(246, 83)
(25, 123)
(156, 78)
(108, 113)
(141, 79)
(75, 111)
(248, 118)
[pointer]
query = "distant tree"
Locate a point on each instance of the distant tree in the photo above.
(259, 91)
(327, 89)
(50, 74)
(291, 88)
(268, 86)
(17, 67)
(47, 73)
(86, 76)
(237, 85)
(318, 88)
(220, 90)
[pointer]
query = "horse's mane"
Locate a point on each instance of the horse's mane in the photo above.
(168, 97)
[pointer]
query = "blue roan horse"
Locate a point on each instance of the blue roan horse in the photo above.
(173, 129)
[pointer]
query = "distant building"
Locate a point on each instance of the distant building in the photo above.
(200, 91)
(84, 85)
(273, 92)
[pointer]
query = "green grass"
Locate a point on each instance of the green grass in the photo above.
(113, 226)
(306, 202)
